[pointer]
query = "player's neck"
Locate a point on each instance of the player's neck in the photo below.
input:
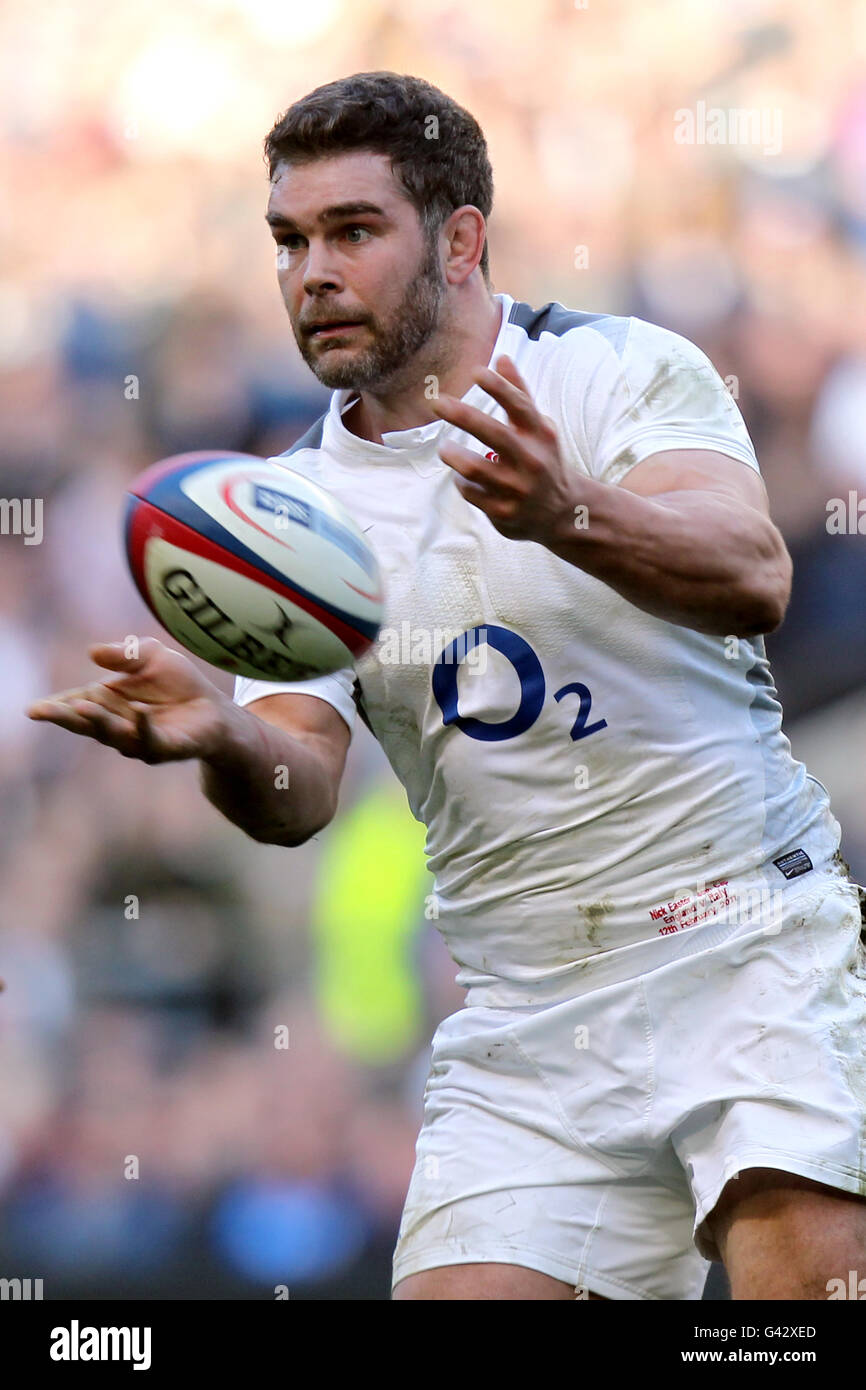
(449, 361)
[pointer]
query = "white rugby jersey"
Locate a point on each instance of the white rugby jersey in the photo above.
(590, 776)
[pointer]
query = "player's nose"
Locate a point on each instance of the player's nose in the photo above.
(320, 273)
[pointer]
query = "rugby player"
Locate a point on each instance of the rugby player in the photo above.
(660, 1057)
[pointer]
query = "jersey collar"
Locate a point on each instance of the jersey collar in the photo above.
(418, 445)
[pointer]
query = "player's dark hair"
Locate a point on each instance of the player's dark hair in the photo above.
(437, 149)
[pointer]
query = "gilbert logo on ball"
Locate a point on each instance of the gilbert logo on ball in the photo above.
(251, 566)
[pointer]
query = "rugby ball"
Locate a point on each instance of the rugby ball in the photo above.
(251, 566)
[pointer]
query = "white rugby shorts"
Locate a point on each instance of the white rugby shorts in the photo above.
(590, 1139)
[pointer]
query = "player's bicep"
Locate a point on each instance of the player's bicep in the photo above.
(697, 470)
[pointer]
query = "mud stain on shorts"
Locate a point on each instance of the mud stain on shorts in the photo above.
(841, 863)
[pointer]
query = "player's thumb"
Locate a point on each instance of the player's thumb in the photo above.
(128, 656)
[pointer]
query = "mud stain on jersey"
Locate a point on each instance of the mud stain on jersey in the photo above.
(403, 720)
(593, 916)
(654, 392)
(624, 461)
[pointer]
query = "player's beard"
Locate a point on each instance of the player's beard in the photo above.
(396, 340)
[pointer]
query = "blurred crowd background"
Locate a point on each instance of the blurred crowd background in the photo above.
(212, 1052)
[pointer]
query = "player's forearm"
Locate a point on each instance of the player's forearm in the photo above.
(692, 558)
(266, 782)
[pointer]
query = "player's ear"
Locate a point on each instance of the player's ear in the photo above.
(465, 232)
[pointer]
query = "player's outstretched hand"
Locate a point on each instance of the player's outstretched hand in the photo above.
(158, 708)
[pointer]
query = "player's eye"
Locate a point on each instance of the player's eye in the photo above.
(356, 240)
(291, 240)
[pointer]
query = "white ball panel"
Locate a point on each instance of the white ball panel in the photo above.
(234, 622)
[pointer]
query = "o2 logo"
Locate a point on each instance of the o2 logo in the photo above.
(532, 688)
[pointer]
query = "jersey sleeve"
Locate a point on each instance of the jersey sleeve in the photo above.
(337, 690)
(659, 391)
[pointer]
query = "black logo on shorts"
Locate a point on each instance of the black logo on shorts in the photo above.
(793, 864)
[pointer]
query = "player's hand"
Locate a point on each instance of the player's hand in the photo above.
(158, 708)
(527, 489)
